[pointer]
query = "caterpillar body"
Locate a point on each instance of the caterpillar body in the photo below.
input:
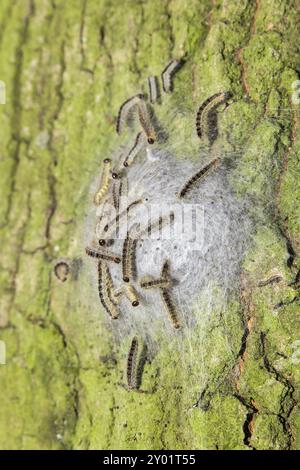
(104, 255)
(125, 109)
(145, 121)
(104, 184)
(167, 75)
(207, 107)
(153, 89)
(131, 295)
(170, 308)
(132, 365)
(103, 284)
(61, 270)
(150, 283)
(199, 175)
(139, 143)
(128, 258)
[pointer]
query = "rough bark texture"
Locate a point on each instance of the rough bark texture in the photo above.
(67, 66)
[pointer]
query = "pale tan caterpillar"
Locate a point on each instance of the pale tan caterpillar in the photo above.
(131, 294)
(125, 109)
(139, 143)
(207, 107)
(168, 73)
(145, 121)
(170, 307)
(199, 175)
(153, 89)
(104, 183)
(103, 284)
(104, 255)
(128, 258)
(109, 286)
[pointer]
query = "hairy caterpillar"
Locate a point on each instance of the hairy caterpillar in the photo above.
(150, 283)
(104, 184)
(170, 307)
(104, 255)
(145, 121)
(61, 270)
(131, 294)
(153, 89)
(103, 284)
(199, 175)
(168, 73)
(112, 293)
(132, 365)
(139, 143)
(116, 188)
(208, 106)
(271, 280)
(128, 258)
(125, 109)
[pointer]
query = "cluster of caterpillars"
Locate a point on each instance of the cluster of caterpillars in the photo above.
(113, 184)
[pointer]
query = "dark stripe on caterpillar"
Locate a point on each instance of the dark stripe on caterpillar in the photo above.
(104, 255)
(199, 175)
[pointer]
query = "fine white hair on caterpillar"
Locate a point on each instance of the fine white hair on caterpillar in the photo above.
(167, 75)
(153, 89)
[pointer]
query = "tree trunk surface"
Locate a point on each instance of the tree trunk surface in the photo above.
(67, 67)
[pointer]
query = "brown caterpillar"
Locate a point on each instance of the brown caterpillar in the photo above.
(271, 280)
(170, 307)
(116, 189)
(157, 225)
(137, 147)
(104, 184)
(199, 175)
(208, 106)
(128, 258)
(103, 293)
(112, 294)
(168, 73)
(120, 215)
(131, 295)
(145, 121)
(132, 365)
(125, 109)
(104, 255)
(150, 283)
(61, 270)
(153, 89)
